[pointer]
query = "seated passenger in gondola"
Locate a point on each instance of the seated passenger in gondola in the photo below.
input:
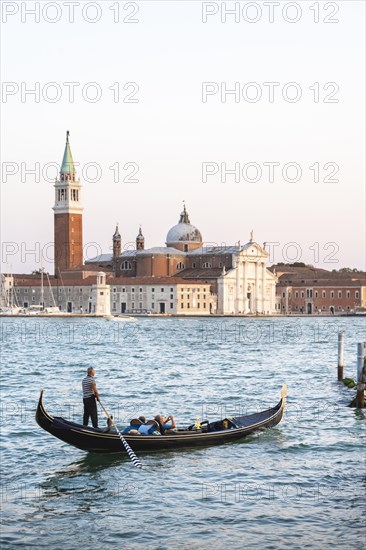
(166, 427)
(135, 424)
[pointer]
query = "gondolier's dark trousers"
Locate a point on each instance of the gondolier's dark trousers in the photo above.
(90, 410)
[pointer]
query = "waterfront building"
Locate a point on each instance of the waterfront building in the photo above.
(312, 290)
(6, 291)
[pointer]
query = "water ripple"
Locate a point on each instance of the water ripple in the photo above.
(297, 485)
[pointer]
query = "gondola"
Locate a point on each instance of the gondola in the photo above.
(96, 440)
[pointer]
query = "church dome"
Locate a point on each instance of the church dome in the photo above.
(184, 231)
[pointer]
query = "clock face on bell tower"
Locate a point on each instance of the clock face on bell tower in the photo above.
(68, 217)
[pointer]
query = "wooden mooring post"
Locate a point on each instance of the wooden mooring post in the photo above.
(361, 375)
(340, 355)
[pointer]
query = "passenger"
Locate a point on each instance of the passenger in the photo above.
(164, 424)
(142, 419)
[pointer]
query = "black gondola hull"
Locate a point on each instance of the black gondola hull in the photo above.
(92, 440)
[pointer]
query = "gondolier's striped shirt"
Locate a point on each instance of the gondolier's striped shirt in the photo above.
(87, 384)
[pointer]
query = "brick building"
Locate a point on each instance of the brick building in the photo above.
(313, 291)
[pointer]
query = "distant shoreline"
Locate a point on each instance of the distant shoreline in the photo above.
(174, 316)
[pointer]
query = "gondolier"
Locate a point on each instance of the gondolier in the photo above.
(90, 394)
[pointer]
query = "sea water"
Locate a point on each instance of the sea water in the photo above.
(299, 485)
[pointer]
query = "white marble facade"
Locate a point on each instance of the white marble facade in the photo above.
(249, 287)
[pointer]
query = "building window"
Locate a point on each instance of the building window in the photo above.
(204, 305)
(356, 294)
(348, 294)
(162, 290)
(296, 307)
(188, 306)
(25, 304)
(207, 265)
(194, 264)
(114, 307)
(171, 305)
(132, 290)
(283, 294)
(140, 289)
(101, 293)
(309, 293)
(339, 294)
(188, 289)
(296, 294)
(198, 296)
(181, 296)
(186, 248)
(123, 290)
(204, 296)
(332, 294)
(153, 290)
(152, 305)
(198, 305)
(182, 306)
(180, 265)
(126, 266)
(172, 290)
(80, 290)
(114, 290)
(140, 305)
(324, 294)
(339, 307)
(302, 294)
(316, 294)
(171, 296)
(133, 305)
(188, 296)
(25, 291)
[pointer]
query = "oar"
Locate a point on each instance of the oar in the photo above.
(130, 452)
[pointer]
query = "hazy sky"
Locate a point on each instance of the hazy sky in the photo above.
(169, 122)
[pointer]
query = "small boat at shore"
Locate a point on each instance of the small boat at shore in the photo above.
(126, 318)
(97, 440)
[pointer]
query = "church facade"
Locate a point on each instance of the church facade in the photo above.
(184, 277)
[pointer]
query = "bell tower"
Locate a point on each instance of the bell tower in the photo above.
(117, 249)
(140, 241)
(68, 218)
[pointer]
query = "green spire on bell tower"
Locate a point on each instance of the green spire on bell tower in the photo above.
(67, 166)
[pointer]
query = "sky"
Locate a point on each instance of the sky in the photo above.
(254, 118)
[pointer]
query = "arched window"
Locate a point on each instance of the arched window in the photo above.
(126, 266)
(207, 264)
(180, 265)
